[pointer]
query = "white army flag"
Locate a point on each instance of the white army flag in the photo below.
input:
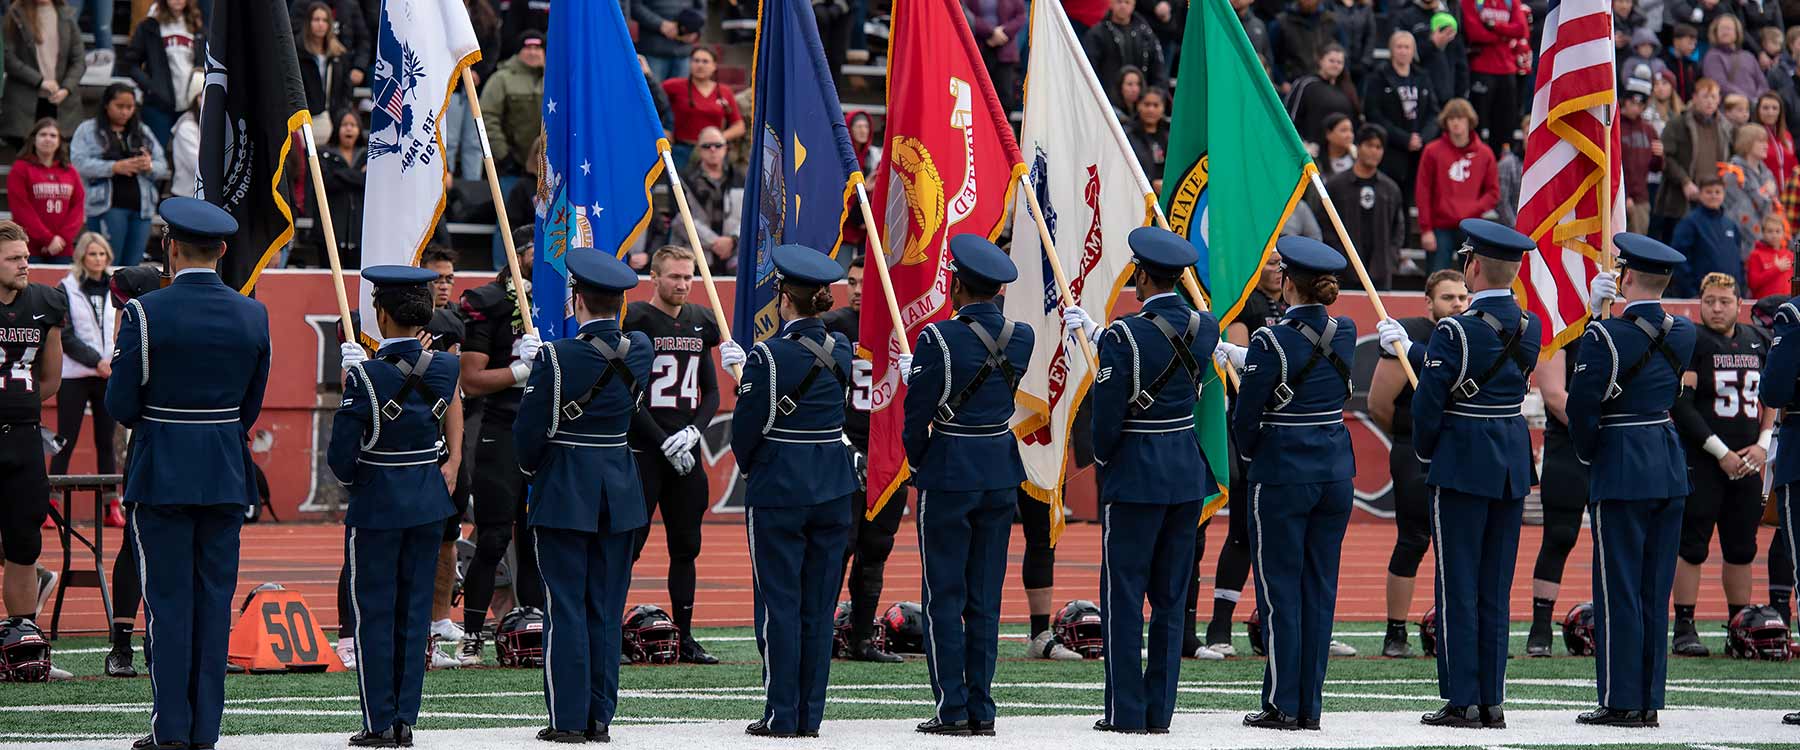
(422, 50)
(1093, 193)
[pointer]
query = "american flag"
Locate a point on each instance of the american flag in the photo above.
(1565, 157)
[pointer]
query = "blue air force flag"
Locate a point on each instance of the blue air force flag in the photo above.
(602, 151)
(422, 50)
(802, 168)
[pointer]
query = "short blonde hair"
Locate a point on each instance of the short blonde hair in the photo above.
(667, 253)
(1716, 280)
(1747, 136)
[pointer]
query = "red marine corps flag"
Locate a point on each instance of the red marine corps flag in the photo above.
(1566, 159)
(949, 169)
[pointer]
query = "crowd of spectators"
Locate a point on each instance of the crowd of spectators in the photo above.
(1414, 111)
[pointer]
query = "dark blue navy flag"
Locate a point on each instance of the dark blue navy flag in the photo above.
(602, 151)
(803, 171)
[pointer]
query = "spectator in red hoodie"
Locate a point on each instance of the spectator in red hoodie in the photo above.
(1491, 28)
(46, 195)
(1458, 179)
(1640, 153)
(1771, 264)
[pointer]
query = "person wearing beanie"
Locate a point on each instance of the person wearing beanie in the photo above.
(1644, 60)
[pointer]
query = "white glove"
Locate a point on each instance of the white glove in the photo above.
(1602, 291)
(352, 353)
(731, 355)
(1230, 355)
(905, 365)
(683, 463)
(681, 443)
(1075, 318)
(1392, 335)
(529, 344)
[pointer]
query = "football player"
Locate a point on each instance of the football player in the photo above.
(682, 396)
(1726, 432)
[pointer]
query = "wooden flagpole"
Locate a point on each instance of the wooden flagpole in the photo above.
(1048, 246)
(693, 235)
(331, 248)
(1608, 258)
(1192, 285)
(1362, 273)
(881, 269)
(493, 181)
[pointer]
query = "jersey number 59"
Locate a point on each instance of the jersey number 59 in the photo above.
(1730, 399)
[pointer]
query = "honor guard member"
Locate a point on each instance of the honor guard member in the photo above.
(1626, 380)
(1469, 431)
(188, 378)
(966, 465)
(1150, 371)
(385, 444)
(1289, 422)
(586, 502)
(788, 434)
(1780, 385)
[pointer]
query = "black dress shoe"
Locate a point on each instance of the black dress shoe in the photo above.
(811, 734)
(981, 728)
(149, 743)
(1650, 719)
(759, 728)
(597, 733)
(1102, 725)
(202, 746)
(231, 668)
(118, 663)
(1310, 725)
(1460, 717)
(935, 726)
(565, 736)
(1612, 717)
(1493, 717)
(694, 653)
(1792, 719)
(365, 738)
(403, 735)
(1271, 718)
(868, 651)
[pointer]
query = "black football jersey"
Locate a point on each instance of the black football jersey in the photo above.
(1728, 372)
(1260, 310)
(1571, 354)
(25, 326)
(1418, 330)
(491, 320)
(847, 321)
(682, 376)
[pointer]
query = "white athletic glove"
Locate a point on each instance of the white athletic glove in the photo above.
(681, 443)
(683, 463)
(1074, 319)
(905, 365)
(352, 353)
(1230, 355)
(731, 355)
(1392, 335)
(1602, 291)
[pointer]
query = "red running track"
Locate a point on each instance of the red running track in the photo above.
(307, 557)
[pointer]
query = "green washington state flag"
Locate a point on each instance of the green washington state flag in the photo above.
(1231, 148)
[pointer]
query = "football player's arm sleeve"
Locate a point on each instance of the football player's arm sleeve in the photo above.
(123, 399)
(709, 393)
(1689, 421)
(49, 366)
(347, 428)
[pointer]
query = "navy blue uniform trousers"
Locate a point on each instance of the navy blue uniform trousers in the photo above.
(1635, 542)
(962, 553)
(586, 579)
(1296, 534)
(391, 576)
(1477, 539)
(187, 566)
(1785, 506)
(1147, 551)
(797, 567)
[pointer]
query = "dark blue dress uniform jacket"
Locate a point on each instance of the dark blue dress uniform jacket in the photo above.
(390, 465)
(976, 449)
(1629, 441)
(795, 459)
(583, 464)
(1304, 442)
(1479, 445)
(1153, 455)
(1780, 375)
(191, 423)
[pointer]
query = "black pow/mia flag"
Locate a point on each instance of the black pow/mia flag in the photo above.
(254, 101)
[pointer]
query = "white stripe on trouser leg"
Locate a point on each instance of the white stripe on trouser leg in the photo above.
(1443, 584)
(1605, 603)
(756, 593)
(549, 630)
(1262, 585)
(930, 625)
(1109, 618)
(1793, 524)
(137, 541)
(362, 665)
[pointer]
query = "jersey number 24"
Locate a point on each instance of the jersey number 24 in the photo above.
(674, 386)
